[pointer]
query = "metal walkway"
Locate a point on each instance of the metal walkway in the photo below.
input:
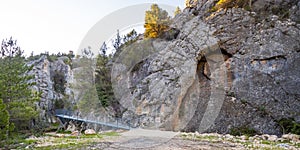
(117, 125)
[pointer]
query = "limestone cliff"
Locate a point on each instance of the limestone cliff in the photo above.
(180, 84)
(53, 79)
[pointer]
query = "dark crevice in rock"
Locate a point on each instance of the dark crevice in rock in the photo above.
(203, 69)
(271, 58)
(226, 54)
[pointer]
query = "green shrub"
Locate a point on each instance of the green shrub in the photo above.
(296, 128)
(231, 93)
(64, 131)
(262, 109)
(111, 134)
(288, 125)
(243, 130)
(52, 58)
(58, 104)
(243, 101)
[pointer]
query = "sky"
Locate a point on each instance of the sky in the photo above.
(58, 25)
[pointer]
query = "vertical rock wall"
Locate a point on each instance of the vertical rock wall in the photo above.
(47, 73)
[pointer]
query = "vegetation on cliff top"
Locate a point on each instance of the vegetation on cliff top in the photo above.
(156, 22)
(233, 4)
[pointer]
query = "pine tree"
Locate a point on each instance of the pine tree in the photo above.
(117, 42)
(130, 37)
(177, 11)
(15, 87)
(104, 86)
(103, 81)
(103, 49)
(4, 121)
(156, 22)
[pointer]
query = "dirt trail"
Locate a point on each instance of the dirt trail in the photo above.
(142, 139)
(162, 140)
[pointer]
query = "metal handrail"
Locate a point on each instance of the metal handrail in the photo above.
(117, 125)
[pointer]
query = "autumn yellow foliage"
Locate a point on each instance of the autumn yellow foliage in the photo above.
(177, 11)
(233, 4)
(156, 22)
(191, 3)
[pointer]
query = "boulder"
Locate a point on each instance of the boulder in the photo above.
(292, 137)
(273, 138)
(89, 132)
(75, 133)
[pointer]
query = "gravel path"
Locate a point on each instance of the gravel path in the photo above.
(162, 140)
(173, 144)
(142, 138)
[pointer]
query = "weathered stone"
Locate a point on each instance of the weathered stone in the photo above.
(243, 137)
(197, 133)
(75, 133)
(283, 145)
(89, 132)
(292, 137)
(228, 136)
(265, 136)
(273, 138)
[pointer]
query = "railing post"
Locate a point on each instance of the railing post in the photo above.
(117, 122)
(129, 123)
(77, 114)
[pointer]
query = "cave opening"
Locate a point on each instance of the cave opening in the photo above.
(203, 73)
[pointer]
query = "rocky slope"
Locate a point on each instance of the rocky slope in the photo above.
(66, 86)
(53, 80)
(226, 70)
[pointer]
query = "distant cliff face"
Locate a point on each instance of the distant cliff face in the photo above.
(53, 79)
(171, 84)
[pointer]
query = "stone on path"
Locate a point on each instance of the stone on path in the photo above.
(89, 132)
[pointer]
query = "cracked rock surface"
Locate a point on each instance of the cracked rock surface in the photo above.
(170, 87)
(45, 72)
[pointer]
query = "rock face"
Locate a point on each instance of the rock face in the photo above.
(53, 79)
(225, 70)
